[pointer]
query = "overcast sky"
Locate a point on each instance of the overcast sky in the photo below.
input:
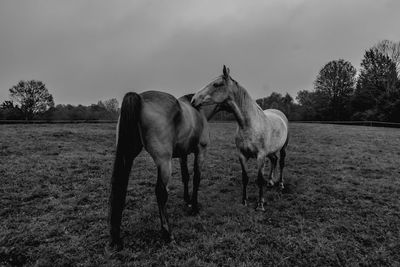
(85, 51)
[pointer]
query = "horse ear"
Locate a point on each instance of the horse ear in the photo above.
(226, 72)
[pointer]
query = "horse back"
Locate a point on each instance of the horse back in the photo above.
(159, 109)
(193, 128)
(277, 128)
(160, 116)
(277, 112)
(169, 126)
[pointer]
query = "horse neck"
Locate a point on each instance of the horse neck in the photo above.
(244, 107)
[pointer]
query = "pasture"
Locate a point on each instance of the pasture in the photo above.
(341, 205)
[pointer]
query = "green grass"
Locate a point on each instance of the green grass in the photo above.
(341, 205)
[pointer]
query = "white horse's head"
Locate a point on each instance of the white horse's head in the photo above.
(216, 92)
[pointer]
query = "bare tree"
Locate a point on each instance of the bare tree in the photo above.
(392, 50)
(334, 85)
(111, 105)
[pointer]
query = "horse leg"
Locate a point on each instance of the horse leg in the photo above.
(198, 163)
(260, 181)
(281, 166)
(164, 173)
(272, 172)
(185, 179)
(245, 177)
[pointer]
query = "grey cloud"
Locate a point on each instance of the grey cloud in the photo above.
(91, 50)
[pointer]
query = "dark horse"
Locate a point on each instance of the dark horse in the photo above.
(166, 128)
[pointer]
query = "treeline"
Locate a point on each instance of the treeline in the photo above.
(340, 93)
(99, 111)
(31, 100)
(103, 110)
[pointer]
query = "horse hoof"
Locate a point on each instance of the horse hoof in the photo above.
(270, 183)
(194, 211)
(112, 248)
(173, 242)
(260, 207)
(167, 236)
(187, 201)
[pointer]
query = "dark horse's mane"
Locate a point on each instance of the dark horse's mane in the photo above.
(187, 97)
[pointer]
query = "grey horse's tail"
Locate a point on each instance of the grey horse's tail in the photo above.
(129, 145)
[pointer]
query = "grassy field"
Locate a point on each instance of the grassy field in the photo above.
(341, 205)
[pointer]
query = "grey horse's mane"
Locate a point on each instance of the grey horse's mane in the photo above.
(242, 97)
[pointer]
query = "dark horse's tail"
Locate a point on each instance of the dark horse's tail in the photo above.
(128, 132)
(129, 145)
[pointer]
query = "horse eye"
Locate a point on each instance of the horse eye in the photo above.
(218, 84)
